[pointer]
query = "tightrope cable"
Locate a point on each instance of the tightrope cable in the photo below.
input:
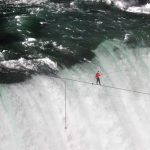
(65, 106)
(91, 83)
(105, 86)
(134, 91)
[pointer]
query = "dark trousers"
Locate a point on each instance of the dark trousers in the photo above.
(98, 81)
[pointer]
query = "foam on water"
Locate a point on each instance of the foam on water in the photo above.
(135, 6)
(26, 1)
(145, 9)
(28, 64)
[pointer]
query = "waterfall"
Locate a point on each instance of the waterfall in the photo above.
(32, 112)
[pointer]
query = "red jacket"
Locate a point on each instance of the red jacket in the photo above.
(98, 75)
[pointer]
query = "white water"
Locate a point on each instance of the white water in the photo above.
(25, 1)
(122, 4)
(23, 64)
(145, 9)
(32, 112)
(129, 6)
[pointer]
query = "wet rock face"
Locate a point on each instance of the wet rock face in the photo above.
(8, 76)
(13, 75)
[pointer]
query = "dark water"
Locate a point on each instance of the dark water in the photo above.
(67, 34)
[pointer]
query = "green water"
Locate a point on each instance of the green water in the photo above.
(67, 35)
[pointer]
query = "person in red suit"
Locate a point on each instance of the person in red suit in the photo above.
(97, 76)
